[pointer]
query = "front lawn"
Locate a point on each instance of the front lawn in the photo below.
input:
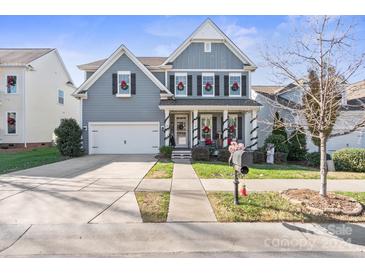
(220, 170)
(271, 207)
(153, 206)
(161, 170)
(18, 160)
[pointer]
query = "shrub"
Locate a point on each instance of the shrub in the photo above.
(280, 157)
(166, 151)
(314, 158)
(279, 141)
(223, 155)
(297, 146)
(350, 159)
(69, 138)
(259, 157)
(200, 154)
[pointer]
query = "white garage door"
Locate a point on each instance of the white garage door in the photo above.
(124, 138)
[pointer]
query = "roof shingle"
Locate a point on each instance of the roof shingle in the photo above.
(21, 56)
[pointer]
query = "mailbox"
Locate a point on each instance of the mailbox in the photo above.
(241, 160)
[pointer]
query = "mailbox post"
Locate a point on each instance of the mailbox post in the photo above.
(240, 160)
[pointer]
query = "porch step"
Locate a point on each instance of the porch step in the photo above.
(181, 154)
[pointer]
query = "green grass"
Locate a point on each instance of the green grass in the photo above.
(271, 207)
(153, 206)
(13, 161)
(220, 170)
(161, 170)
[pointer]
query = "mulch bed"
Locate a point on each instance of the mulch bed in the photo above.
(318, 205)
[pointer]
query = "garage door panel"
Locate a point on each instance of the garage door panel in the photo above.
(136, 138)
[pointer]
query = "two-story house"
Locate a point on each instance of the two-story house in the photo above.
(200, 94)
(35, 94)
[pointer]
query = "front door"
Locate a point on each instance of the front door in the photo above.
(181, 130)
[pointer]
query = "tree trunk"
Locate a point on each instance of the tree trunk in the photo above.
(323, 165)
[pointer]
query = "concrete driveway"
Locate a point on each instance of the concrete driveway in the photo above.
(90, 189)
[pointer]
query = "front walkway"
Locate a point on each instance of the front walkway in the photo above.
(188, 200)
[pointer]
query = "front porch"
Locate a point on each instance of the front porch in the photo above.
(186, 127)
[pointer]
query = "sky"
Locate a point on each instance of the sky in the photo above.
(83, 39)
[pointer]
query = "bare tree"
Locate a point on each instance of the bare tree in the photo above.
(320, 59)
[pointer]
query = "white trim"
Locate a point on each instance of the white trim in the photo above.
(208, 74)
(209, 70)
(181, 74)
(209, 107)
(6, 124)
(129, 84)
(207, 46)
(186, 116)
(110, 61)
(229, 83)
(210, 116)
(228, 42)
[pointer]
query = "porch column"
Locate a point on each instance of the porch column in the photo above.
(247, 117)
(195, 128)
(167, 127)
(225, 128)
(254, 129)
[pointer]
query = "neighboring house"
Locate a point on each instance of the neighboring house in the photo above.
(352, 111)
(200, 94)
(35, 94)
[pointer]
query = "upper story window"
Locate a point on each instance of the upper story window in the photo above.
(181, 88)
(11, 84)
(124, 80)
(207, 46)
(61, 97)
(11, 122)
(208, 84)
(235, 84)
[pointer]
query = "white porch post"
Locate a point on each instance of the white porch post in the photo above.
(254, 129)
(167, 127)
(247, 116)
(195, 128)
(225, 128)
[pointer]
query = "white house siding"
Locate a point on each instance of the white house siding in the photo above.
(43, 110)
(12, 103)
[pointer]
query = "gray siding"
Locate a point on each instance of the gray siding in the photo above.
(160, 76)
(103, 106)
(220, 57)
(195, 86)
(88, 74)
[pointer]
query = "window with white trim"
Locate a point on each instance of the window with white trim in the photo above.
(181, 80)
(61, 97)
(207, 46)
(124, 83)
(235, 84)
(208, 84)
(206, 127)
(11, 122)
(233, 126)
(11, 84)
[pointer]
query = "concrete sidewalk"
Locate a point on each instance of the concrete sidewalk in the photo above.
(188, 200)
(183, 240)
(283, 184)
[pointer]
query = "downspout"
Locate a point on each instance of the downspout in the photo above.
(24, 111)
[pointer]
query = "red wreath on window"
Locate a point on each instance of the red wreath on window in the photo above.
(232, 129)
(235, 86)
(208, 86)
(11, 81)
(180, 86)
(124, 85)
(11, 121)
(208, 141)
(206, 129)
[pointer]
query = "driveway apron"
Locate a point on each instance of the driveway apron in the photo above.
(188, 200)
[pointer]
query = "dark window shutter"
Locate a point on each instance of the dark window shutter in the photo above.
(190, 85)
(115, 83)
(199, 85)
(133, 83)
(239, 128)
(198, 129)
(226, 85)
(172, 83)
(214, 129)
(244, 85)
(216, 85)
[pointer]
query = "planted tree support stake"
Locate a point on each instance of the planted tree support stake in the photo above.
(236, 182)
